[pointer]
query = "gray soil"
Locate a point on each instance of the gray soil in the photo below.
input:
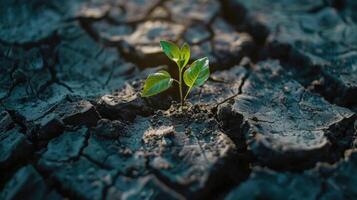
(275, 120)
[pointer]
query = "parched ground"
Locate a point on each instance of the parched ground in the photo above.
(276, 119)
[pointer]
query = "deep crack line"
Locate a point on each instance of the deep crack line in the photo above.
(107, 187)
(235, 95)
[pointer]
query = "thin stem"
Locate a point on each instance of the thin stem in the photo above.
(176, 81)
(180, 85)
(189, 90)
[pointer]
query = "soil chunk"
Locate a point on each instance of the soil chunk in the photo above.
(284, 124)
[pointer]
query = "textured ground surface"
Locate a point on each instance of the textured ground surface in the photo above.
(276, 119)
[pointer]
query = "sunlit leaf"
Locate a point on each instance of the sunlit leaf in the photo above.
(156, 83)
(184, 55)
(171, 50)
(197, 73)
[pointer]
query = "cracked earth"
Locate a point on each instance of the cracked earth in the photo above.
(276, 119)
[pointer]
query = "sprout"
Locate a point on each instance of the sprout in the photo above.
(194, 76)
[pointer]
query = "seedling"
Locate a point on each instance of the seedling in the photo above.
(194, 76)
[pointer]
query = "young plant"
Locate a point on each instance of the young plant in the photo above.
(194, 76)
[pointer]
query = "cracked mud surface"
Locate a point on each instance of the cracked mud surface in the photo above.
(276, 119)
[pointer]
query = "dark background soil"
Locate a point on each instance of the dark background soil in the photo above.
(276, 119)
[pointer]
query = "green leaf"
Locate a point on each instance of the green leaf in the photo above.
(197, 74)
(171, 50)
(156, 83)
(184, 55)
